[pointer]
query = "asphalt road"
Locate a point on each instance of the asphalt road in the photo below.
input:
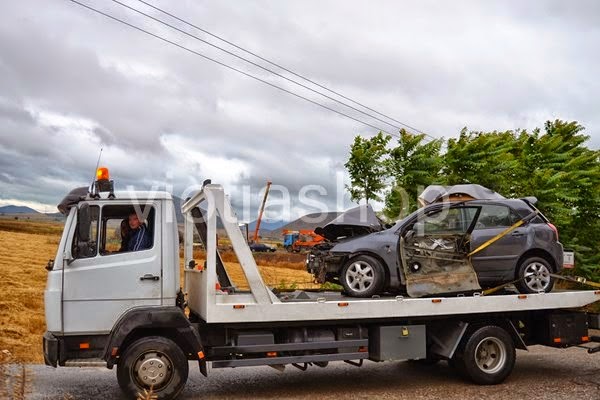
(541, 373)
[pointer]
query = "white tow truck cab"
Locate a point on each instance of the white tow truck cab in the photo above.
(111, 303)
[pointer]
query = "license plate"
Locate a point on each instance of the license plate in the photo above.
(569, 259)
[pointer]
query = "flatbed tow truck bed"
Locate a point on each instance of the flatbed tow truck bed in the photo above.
(260, 304)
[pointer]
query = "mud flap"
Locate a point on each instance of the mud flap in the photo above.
(202, 365)
(435, 264)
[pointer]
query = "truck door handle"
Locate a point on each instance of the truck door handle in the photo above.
(149, 277)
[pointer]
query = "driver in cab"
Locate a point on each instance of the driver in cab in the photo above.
(138, 237)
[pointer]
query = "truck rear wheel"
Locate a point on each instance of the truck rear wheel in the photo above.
(487, 357)
(155, 364)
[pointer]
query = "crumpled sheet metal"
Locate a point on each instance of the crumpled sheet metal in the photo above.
(436, 265)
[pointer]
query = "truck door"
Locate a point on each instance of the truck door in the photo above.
(498, 261)
(104, 280)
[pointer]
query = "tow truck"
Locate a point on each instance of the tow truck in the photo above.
(110, 308)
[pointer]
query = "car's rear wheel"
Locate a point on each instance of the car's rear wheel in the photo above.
(362, 276)
(534, 276)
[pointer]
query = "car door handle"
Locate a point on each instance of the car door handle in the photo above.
(517, 233)
(149, 277)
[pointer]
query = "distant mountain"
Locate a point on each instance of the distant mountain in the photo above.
(267, 225)
(17, 210)
(306, 222)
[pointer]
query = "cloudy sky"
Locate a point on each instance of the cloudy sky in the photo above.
(72, 81)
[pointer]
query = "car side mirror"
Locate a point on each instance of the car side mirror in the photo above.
(83, 223)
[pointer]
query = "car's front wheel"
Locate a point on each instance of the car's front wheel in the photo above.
(362, 276)
(534, 276)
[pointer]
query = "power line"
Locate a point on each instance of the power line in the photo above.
(285, 69)
(230, 67)
(256, 64)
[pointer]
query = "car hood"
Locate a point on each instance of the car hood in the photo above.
(357, 221)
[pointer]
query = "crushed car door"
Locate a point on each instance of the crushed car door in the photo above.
(434, 252)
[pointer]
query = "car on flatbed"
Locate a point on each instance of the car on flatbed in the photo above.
(367, 259)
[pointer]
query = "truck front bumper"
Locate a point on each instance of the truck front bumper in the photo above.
(50, 349)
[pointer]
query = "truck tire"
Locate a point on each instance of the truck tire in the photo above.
(487, 356)
(152, 363)
(362, 276)
(534, 276)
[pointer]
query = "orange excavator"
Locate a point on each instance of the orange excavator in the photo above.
(304, 239)
(260, 212)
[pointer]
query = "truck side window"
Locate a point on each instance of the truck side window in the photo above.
(82, 248)
(116, 233)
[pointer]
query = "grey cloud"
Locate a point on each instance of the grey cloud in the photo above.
(437, 67)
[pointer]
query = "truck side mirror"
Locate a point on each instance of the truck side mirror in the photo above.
(83, 223)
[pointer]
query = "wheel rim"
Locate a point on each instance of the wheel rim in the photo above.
(153, 369)
(537, 276)
(360, 276)
(490, 355)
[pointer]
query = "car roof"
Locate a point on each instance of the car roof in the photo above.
(521, 206)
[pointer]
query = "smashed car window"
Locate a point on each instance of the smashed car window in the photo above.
(495, 216)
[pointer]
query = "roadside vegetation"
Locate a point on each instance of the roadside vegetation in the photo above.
(554, 164)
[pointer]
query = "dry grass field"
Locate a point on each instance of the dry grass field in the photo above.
(23, 256)
(26, 247)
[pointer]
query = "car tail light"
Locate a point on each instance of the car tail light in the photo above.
(554, 229)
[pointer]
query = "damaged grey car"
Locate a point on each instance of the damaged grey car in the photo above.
(440, 249)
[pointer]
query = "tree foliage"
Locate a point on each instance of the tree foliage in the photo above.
(366, 166)
(413, 165)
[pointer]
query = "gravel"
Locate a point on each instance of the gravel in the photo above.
(541, 373)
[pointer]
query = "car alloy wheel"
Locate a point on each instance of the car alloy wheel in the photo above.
(360, 276)
(537, 276)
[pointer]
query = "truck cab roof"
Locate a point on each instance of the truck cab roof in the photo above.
(80, 194)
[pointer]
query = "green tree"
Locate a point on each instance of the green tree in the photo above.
(366, 167)
(554, 166)
(413, 164)
(559, 169)
(487, 159)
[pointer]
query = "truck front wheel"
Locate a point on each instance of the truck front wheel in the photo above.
(154, 364)
(487, 356)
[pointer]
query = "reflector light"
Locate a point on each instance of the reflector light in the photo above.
(102, 174)
(557, 340)
(114, 351)
(436, 300)
(585, 338)
(522, 296)
(272, 354)
(239, 306)
(344, 304)
(84, 346)
(363, 349)
(200, 355)
(217, 286)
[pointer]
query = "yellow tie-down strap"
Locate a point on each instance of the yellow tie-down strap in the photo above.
(577, 279)
(498, 236)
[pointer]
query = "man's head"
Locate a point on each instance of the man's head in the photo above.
(134, 221)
